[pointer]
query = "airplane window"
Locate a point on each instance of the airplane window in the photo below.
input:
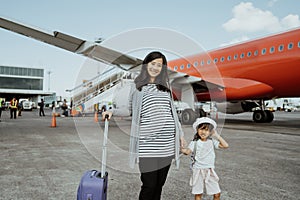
(272, 49)
(280, 48)
(256, 52)
(236, 56)
(242, 55)
(249, 54)
(208, 62)
(182, 67)
(290, 46)
(222, 59)
(189, 65)
(229, 58)
(202, 63)
(215, 60)
(175, 68)
(196, 64)
(263, 52)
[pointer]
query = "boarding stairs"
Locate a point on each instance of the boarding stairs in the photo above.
(98, 89)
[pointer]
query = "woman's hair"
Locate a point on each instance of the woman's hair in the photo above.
(161, 81)
(202, 126)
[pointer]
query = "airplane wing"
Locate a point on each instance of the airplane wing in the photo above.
(73, 44)
(98, 52)
(88, 49)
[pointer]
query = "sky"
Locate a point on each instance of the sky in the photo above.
(211, 24)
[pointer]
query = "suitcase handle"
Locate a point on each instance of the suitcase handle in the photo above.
(103, 166)
(94, 172)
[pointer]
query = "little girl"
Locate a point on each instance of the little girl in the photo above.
(203, 144)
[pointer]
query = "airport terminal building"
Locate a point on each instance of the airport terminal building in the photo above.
(22, 82)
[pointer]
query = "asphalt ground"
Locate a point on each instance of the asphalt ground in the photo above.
(40, 162)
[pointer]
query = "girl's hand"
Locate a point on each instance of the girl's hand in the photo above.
(223, 144)
(185, 151)
(215, 135)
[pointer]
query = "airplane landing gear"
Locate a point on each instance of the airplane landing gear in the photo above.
(262, 116)
(188, 116)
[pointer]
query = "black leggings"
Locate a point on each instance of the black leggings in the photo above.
(154, 172)
(13, 113)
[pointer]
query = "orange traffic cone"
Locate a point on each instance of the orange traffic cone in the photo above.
(96, 116)
(53, 123)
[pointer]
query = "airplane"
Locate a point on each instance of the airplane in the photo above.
(239, 78)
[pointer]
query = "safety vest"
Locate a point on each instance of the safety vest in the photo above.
(1, 102)
(14, 103)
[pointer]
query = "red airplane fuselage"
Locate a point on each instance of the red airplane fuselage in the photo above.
(265, 68)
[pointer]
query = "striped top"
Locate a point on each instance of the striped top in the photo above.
(157, 126)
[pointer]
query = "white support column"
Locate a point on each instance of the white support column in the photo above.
(187, 95)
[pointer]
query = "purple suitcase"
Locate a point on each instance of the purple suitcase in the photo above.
(93, 185)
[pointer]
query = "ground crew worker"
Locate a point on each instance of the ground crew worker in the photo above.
(65, 108)
(13, 108)
(1, 107)
(42, 104)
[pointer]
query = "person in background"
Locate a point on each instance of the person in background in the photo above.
(64, 107)
(103, 109)
(13, 108)
(71, 107)
(1, 107)
(53, 107)
(20, 108)
(42, 105)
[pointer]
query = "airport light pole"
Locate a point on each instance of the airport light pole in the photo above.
(49, 73)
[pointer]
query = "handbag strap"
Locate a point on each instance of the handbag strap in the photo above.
(194, 154)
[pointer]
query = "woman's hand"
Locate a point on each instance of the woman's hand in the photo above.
(109, 113)
(182, 142)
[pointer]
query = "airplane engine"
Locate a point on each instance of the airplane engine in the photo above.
(236, 107)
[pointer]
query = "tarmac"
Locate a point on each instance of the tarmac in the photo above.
(40, 162)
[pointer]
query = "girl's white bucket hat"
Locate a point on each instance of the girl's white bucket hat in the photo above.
(204, 120)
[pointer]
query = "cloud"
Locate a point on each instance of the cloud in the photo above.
(290, 21)
(272, 2)
(247, 18)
